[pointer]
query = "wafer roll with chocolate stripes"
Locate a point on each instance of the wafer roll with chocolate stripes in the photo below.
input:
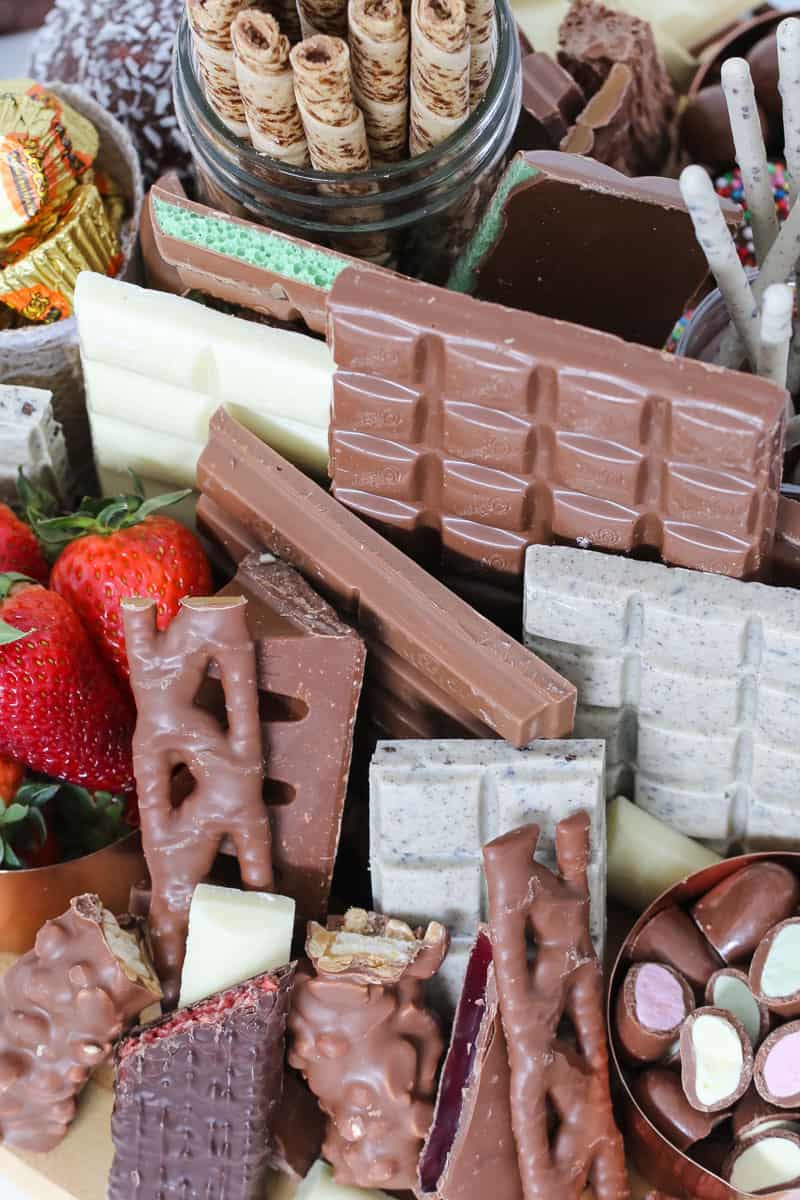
(440, 71)
(267, 86)
(210, 22)
(379, 41)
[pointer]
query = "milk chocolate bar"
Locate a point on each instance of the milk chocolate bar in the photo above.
(309, 671)
(448, 657)
(62, 1006)
(470, 1150)
(551, 100)
(182, 832)
(367, 1045)
(433, 805)
(564, 979)
(716, 664)
(468, 431)
(196, 1093)
(572, 215)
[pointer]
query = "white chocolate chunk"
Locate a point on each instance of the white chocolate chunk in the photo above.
(319, 1185)
(767, 1163)
(781, 972)
(31, 438)
(646, 856)
(232, 937)
(163, 364)
(718, 1059)
(735, 997)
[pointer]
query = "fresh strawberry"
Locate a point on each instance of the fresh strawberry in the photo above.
(19, 549)
(61, 712)
(121, 548)
(11, 775)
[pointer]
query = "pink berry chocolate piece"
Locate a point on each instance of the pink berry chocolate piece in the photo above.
(735, 915)
(658, 1092)
(777, 1067)
(730, 989)
(775, 969)
(716, 1059)
(753, 1115)
(672, 937)
(764, 1163)
(651, 1006)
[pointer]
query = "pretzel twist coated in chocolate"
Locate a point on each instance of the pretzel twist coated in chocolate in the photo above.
(370, 1052)
(565, 979)
(181, 842)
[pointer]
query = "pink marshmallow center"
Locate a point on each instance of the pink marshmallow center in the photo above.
(782, 1067)
(659, 998)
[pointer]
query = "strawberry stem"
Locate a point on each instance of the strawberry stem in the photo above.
(103, 516)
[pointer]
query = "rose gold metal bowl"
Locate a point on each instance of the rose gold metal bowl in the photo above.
(29, 898)
(658, 1161)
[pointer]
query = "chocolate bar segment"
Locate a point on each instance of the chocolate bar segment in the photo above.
(367, 1045)
(470, 1150)
(551, 100)
(196, 1093)
(565, 980)
(460, 661)
(602, 130)
(467, 432)
(309, 671)
(62, 1006)
(182, 833)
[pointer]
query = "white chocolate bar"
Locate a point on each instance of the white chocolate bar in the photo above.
(691, 677)
(157, 366)
(645, 856)
(319, 1185)
(435, 804)
(233, 936)
(31, 438)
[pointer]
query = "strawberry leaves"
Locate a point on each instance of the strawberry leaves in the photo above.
(8, 633)
(81, 821)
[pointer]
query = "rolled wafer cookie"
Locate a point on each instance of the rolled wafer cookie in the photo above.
(483, 47)
(322, 16)
(210, 22)
(379, 38)
(440, 71)
(266, 82)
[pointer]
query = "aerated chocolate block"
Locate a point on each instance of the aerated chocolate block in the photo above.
(433, 806)
(691, 678)
(468, 432)
(310, 667)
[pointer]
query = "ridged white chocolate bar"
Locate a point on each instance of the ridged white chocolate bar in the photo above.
(692, 678)
(157, 366)
(31, 438)
(435, 804)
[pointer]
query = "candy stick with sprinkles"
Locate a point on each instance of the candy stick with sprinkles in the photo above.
(751, 153)
(720, 250)
(789, 67)
(776, 335)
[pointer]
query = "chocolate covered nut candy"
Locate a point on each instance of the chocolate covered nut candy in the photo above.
(764, 1163)
(735, 915)
(659, 1094)
(196, 1093)
(470, 1150)
(367, 1045)
(651, 1007)
(775, 969)
(716, 1059)
(564, 980)
(754, 1115)
(777, 1067)
(730, 989)
(225, 765)
(62, 1005)
(671, 937)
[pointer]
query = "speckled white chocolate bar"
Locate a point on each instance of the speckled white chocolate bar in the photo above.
(434, 805)
(31, 438)
(694, 679)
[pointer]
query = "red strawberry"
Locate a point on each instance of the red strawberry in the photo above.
(19, 549)
(11, 776)
(61, 712)
(121, 548)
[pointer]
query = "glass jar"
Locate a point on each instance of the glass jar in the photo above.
(424, 209)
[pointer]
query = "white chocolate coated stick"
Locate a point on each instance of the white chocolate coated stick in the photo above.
(776, 334)
(751, 153)
(717, 243)
(789, 68)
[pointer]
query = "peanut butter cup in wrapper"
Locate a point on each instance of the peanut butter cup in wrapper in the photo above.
(41, 286)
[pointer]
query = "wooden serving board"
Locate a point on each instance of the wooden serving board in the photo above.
(78, 1169)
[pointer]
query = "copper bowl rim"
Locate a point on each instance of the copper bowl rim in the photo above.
(18, 872)
(685, 890)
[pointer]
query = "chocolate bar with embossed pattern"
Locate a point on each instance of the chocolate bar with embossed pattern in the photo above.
(467, 431)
